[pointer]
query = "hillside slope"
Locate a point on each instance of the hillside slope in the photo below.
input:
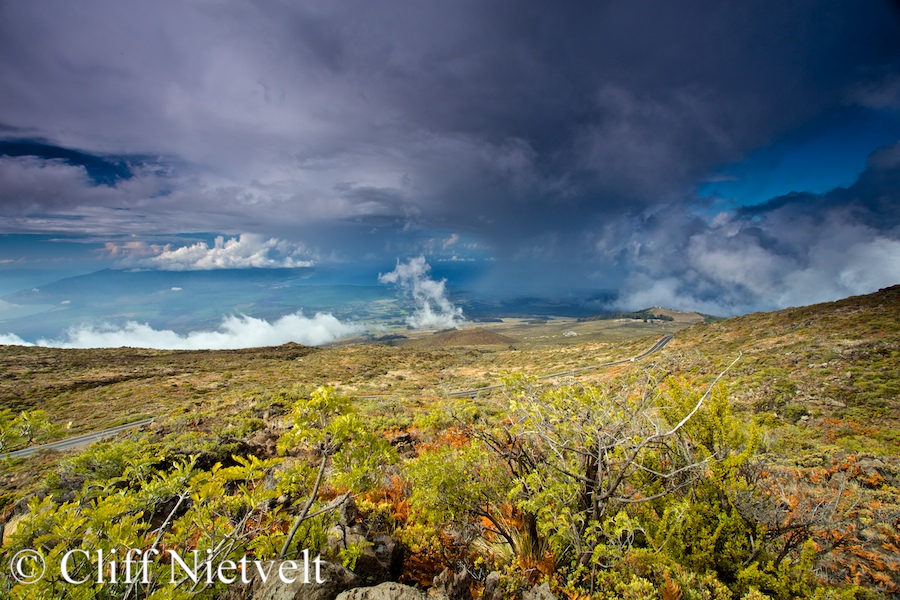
(823, 382)
(838, 359)
(467, 337)
(817, 388)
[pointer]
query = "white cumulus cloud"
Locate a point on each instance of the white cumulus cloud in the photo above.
(249, 251)
(435, 309)
(735, 266)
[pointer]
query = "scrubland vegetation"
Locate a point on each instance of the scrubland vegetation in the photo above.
(755, 457)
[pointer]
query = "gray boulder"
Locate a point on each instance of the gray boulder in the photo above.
(539, 592)
(492, 587)
(452, 586)
(384, 591)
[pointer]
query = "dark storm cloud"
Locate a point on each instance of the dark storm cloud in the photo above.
(796, 249)
(536, 129)
(101, 170)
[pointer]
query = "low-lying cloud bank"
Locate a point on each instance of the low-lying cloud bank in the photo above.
(234, 332)
(435, 309)
(11, 339)
(249, 251)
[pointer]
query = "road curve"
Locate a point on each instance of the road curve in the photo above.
(76, 441)
(656, 347)
(659, 345)
(89, 438)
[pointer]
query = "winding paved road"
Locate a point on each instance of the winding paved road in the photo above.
(75, 441)
(85, 439)
(656, 347)
(659, 345)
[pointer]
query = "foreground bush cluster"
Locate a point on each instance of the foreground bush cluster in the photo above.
(644, 486)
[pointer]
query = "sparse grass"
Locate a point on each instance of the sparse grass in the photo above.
(90, 390)
(822, 383)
